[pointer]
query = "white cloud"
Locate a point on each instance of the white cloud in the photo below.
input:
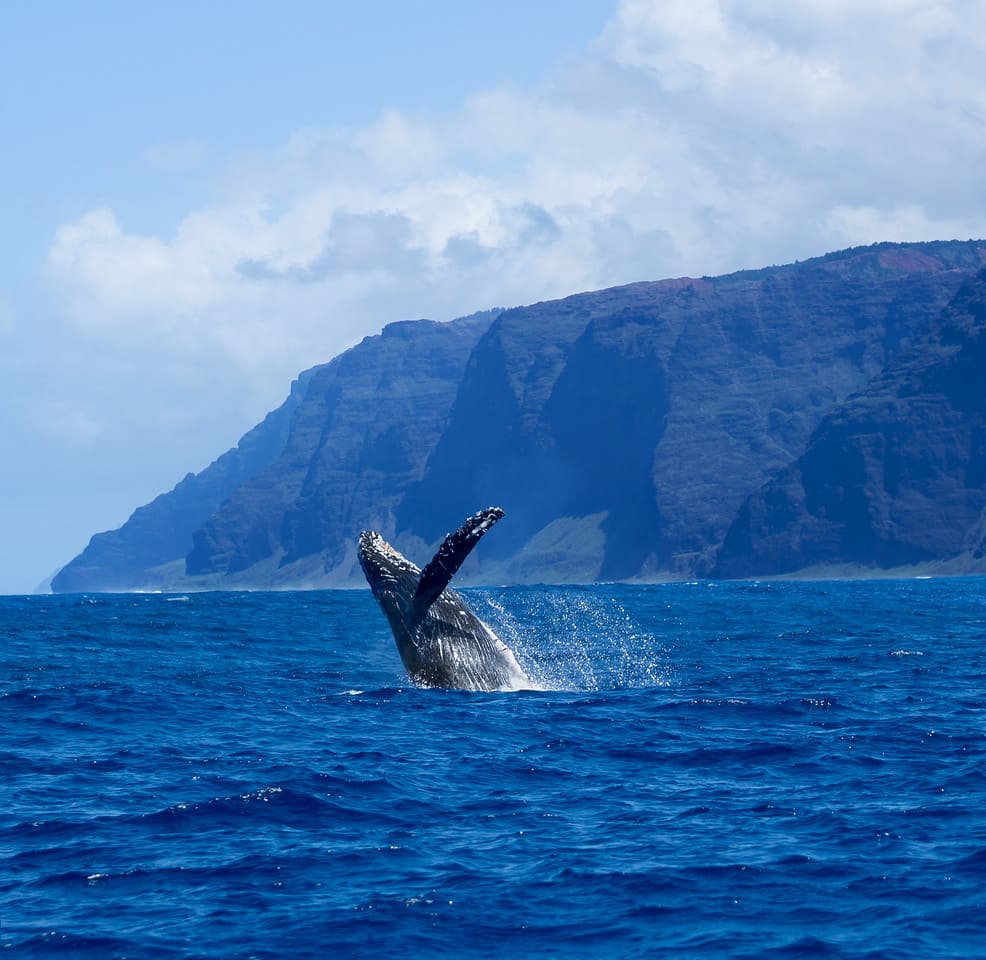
(860, 224)
(692, 137)
(696, 137)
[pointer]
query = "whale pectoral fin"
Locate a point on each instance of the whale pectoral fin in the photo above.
(454, 549)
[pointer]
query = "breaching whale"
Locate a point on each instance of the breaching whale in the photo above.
(441, 641)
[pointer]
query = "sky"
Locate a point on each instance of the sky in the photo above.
(202, 200)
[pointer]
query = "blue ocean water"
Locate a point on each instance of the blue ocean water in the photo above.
(722, 770)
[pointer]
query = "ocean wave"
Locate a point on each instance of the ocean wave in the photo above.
(740, 771)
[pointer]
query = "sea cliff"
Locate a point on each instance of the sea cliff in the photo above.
(815, 415)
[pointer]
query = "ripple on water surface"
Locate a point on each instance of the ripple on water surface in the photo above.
(737, 770)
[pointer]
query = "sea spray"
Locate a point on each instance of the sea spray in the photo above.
(573, 638)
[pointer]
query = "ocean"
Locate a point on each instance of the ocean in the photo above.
(742, 770)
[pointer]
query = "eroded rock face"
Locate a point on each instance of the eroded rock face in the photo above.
(665, 405)
(364, 433)
(160, 533)
(895, 475)
(351, 434)
(670, 428)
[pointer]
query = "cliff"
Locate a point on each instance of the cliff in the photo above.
(373, 412)
(160, 533)
(622, 431)
(627, 432)
(895, 476)
(359, 439)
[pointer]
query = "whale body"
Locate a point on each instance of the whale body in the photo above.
(441, 641)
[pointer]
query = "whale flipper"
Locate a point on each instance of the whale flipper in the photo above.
(454, 549)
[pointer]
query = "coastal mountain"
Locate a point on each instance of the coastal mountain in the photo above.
(895, 475)
(159, 534)
(824, 412)
(358, 441)
(373, 412)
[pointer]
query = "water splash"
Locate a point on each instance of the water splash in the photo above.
(592, 642)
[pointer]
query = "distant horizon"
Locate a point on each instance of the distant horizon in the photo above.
(853, 573)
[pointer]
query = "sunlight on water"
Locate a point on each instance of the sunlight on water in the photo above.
(592, 642)
(782, 770)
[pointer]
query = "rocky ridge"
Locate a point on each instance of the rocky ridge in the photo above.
(674, 428)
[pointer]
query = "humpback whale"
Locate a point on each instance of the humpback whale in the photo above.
(441, 641)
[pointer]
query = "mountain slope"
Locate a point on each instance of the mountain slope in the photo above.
(894, 476)
(636, 421)
(622, 430)
(161, 532)
(363, 434)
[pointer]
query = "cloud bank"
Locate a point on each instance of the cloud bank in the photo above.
(695, 137)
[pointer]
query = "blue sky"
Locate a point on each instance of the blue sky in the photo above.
(202, 200)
